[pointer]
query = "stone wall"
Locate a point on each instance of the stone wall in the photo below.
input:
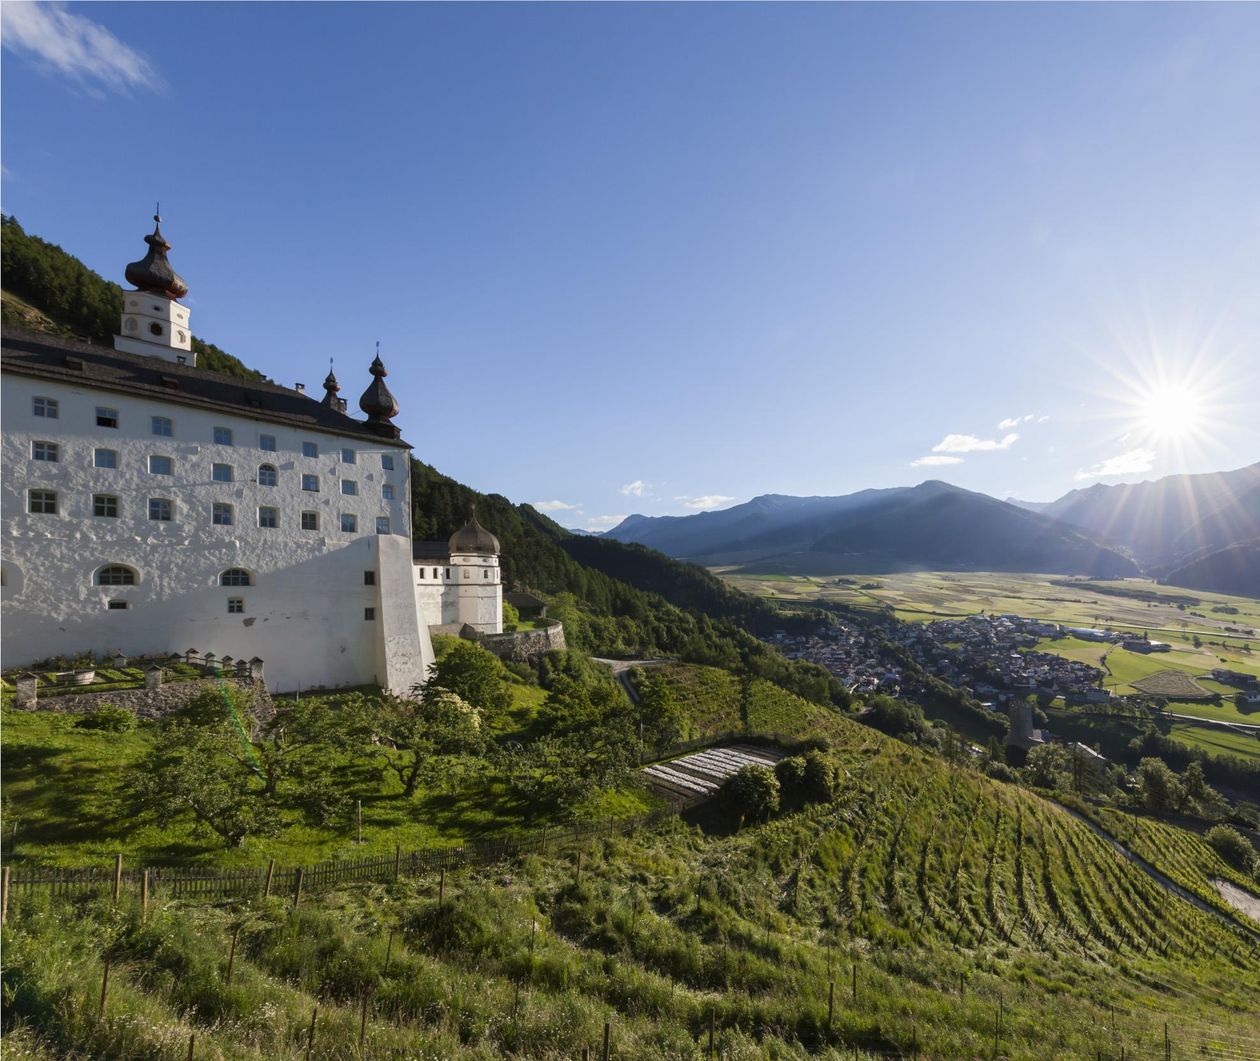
(156, 702)
(525, 646)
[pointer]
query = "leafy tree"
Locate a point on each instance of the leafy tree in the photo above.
(753, 792)
(511, 617)
(897, 718)
(1158, 785)
(1232, 846)
(416, 730)
(473, 675)
(1049, 766)
(661, 718)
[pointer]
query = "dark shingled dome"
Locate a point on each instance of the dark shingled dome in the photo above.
(153, 273)
(472, 537)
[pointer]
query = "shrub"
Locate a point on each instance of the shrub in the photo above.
(753, 792)
(1232, 846)
(109, 718)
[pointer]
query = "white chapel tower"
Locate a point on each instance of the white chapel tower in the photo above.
(154, 324)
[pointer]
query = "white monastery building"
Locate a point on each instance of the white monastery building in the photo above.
(151, 507)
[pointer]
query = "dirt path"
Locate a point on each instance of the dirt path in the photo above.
(1237, 898)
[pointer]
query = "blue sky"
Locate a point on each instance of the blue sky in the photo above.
(658, 258)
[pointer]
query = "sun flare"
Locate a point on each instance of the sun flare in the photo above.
(1171, 412)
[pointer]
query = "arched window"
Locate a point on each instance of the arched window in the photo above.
(115, 575)
(266, 475)
(236, 576)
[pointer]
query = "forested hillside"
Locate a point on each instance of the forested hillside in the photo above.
(71, 299)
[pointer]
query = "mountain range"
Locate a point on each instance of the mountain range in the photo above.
(1199, 531)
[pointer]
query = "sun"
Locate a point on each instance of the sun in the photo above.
(1171, 412)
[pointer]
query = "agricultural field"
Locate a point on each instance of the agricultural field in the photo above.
(1217, 740)
(924, 911)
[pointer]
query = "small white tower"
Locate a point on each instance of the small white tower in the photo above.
(154, 324)
(475, 569)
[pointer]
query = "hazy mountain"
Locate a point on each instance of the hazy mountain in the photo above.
(932, 525)
(1163, 520)
(1234, 569)
(1031, 506)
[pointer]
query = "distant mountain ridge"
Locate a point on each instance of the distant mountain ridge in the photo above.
(933, 524)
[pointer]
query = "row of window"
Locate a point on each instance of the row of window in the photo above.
(267, 474)
(485, 573)
(163, 426)
(121, 575)
(222, 514)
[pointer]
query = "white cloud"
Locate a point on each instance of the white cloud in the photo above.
(971, 444)
(1129, 463)
(933, 462)
(706, 501)
(74, 45)
(555, 506)
(597, 523)
(1015, 421)
(634, 489)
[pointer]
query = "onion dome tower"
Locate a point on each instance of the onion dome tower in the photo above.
(472, 539)
(377, 401)
(154, 324)
(331, 387)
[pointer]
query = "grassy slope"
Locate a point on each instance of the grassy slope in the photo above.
(917, 876)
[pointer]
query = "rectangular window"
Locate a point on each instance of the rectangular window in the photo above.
(44, 451)
(347, 456)
(485, 572)
(310, 483)
(268, 516)
(43, 502)
(161, 425)
(310, 449)
(349, 487)
(222, 436)
(387, 461)
(221, 514)
(105, 506)
(117, 606)
(106, 458)
(221, 473)
(382, 524)
(49, 408)
(236, 605)
(161, 466)
(310, 521)
(387, 491)
(369, 578)
(435, 574)
(267, 442)
(106, 417)
(161, 509)
(349, 523)
(369, 615)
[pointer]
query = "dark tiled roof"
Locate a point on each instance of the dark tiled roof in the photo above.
(430, 551)
(74, 361)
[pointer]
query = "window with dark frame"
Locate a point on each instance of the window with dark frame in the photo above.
(221, 514)
(105, 458)
(310, 521)
(105, 506)
(268, 516)
(162, 426)
(43, 502)
(161, 509)
(45, 451)
(222, 436)
(48, 408)
(236, 605)
(106, 417)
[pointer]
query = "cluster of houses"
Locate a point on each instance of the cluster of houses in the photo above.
(850, 653)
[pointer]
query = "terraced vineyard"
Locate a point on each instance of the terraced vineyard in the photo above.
(942, 914)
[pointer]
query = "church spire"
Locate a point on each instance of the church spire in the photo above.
(379, 404)
(331, 387)
(153, 273)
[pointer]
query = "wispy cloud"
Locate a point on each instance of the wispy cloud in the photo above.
(1129, 463)
(596, 523)
(555, 506)
(634, 489)
(705, 501)
(934, 462)
(1015, 421)
(74, 46)
(972, 444)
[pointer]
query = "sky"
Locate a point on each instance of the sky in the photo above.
(661, 258)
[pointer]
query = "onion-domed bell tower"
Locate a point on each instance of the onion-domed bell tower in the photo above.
(154, 323)
(377, 401)
(479, 588)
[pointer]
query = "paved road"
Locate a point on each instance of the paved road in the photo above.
(621, 671)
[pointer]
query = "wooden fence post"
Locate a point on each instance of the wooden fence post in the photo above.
(192, 1044)
(358, 813)
(363, 1022)
(442, 886)
(710, 1033)
(397, 860)
(271, 869)
(578, 876)
(855, 983)
(231, 957)
(297, 887)
(4, 895)
(144, 896)
(117, 875)
(100, 1009)
(997, 1028)
(310, 1035)
(1167, 1044)
(607, 1039)
(831, 1001)
(389, 946)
